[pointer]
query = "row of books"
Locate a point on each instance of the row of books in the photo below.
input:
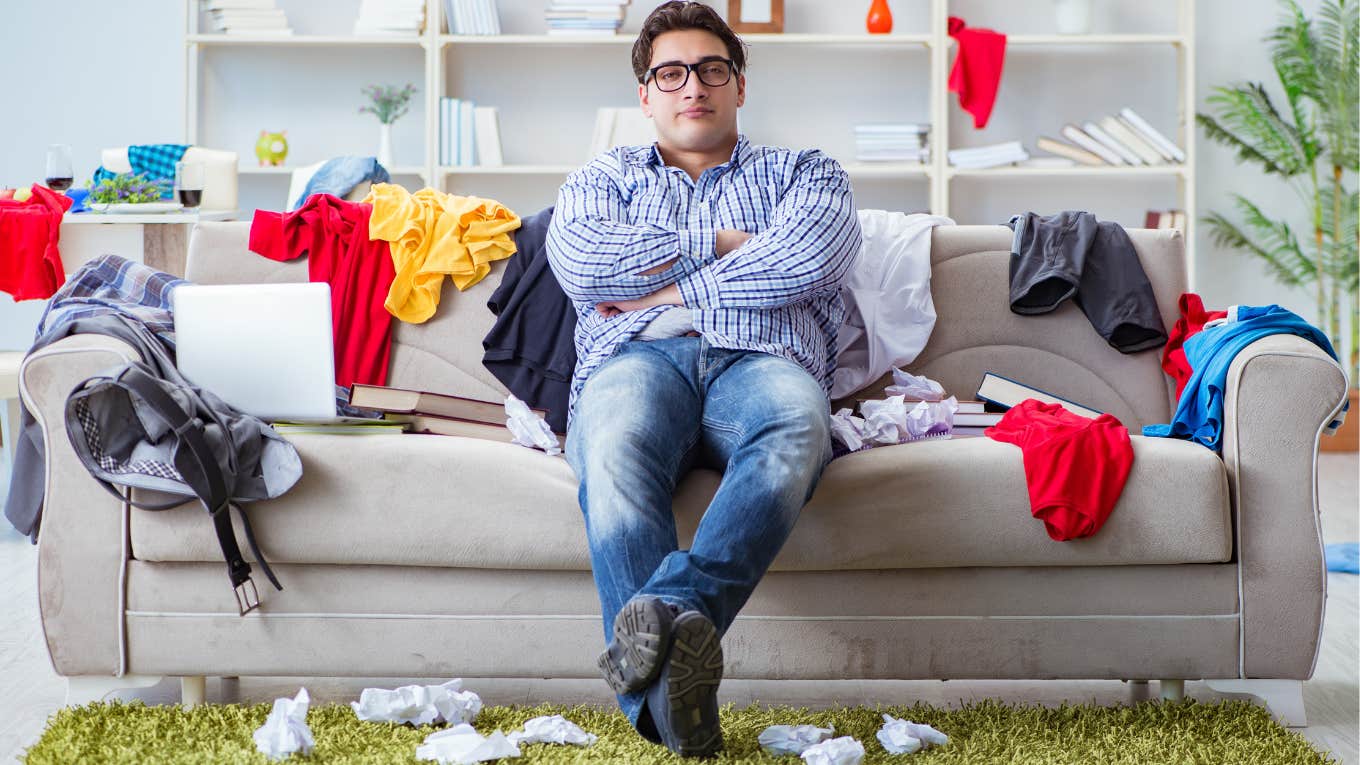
(472, 17)
(994, 155)
(1123, 139)
(892, 143)
(585, 18)
(469, 135)
(390, 17)
(247, 17)
(1165, 219)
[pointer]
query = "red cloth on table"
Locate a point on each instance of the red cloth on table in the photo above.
(333, 235)
(1192, 320)
(976, 75)
(1075, 467)
(30, 260)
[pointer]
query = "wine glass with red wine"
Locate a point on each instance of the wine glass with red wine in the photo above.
(59, 174)
(189, 183)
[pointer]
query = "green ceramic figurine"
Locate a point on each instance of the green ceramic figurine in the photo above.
(272, 148)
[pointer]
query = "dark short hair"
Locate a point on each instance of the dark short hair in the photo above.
(678, 14)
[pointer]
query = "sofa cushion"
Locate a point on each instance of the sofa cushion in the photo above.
(447, 501)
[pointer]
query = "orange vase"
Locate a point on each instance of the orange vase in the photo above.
(879, 21)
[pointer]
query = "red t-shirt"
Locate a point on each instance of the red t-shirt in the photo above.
(333, 235)
(1075, 467)
(30, 260)
(1192, 320)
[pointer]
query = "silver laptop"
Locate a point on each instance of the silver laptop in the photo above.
(266, 349)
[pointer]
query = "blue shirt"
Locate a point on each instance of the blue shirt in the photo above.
(627, 212)
(1210, 352)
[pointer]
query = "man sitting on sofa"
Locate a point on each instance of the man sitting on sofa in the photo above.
(706, 274)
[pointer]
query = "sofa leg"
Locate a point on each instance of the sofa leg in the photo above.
(1172, 690)
(1284, 698)
(193, 690)
(87, 689)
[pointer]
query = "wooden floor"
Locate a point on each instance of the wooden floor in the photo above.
(31, 690)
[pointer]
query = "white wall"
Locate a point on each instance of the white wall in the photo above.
(84, 99)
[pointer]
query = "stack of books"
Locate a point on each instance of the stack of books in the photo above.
(1124, 139)
(989, 156)
(585, 18)
(469, 135)
(436, 413)
(390, 17)
(247, 17)
(892, 143)
(472, 17)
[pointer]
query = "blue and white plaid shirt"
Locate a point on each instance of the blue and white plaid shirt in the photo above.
(627, 212)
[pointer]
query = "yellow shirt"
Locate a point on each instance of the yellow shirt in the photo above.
(431, 234)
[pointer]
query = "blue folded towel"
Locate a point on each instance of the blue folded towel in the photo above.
(1343, 557)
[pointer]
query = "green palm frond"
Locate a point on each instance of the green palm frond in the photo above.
(1293, 56)
(1343, 253)
(1247, 114)
(1337, 40)
(1274, 242)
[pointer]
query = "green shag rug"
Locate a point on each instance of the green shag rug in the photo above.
(985, 732)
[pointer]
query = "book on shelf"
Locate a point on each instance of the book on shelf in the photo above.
(487, 135)
(391, 400)
(626, 126)
(988, 156)
(1048, 163)
(1080, 138)
(1054, 146)
(233, 5)
(1006, 392)
(1169, 150)
(1108, 141)
(467, 139)
(472, 17)
(390, 17)
(1131, 140)
(1165, 219)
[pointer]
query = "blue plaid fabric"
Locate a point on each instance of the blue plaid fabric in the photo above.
(111, 284)
(154, 160)
(627, 212)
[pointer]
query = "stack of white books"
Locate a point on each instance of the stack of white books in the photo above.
(1124, 139)
(995, 155)
(472, 17)
(247, 17)
(469, 135)
(586, 18)
(892, 143)
(390, 17)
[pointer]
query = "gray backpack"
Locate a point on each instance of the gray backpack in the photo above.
(132, 428)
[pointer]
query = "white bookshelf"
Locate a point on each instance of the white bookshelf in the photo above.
(947, 189)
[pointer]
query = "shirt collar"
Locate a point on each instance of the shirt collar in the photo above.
(740, 153)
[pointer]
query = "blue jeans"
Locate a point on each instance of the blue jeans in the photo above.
(649, 414)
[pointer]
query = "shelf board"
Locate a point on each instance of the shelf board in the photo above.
(1068, 40)
(887, 169)
(288, 170)
(855, 40)
(1020, 172)
(377, 41)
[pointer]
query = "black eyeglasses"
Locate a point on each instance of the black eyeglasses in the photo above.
(713, 72)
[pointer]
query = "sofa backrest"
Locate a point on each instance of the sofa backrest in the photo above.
(975, 332)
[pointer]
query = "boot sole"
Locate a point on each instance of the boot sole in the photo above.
(642, 633)
(695, 672)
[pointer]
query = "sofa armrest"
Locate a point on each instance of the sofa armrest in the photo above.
(82, 538)
(1281, 392)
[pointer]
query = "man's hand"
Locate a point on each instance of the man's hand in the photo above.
(726, 240)
(668, 295)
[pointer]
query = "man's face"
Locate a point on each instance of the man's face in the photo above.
(696, 117)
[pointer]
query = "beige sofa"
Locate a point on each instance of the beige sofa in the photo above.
(428, 556)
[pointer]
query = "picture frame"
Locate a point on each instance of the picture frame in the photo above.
(762, 16)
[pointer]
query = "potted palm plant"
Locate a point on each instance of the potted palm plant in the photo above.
(1312, 146)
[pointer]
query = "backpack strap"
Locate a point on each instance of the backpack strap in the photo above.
(201, 471)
